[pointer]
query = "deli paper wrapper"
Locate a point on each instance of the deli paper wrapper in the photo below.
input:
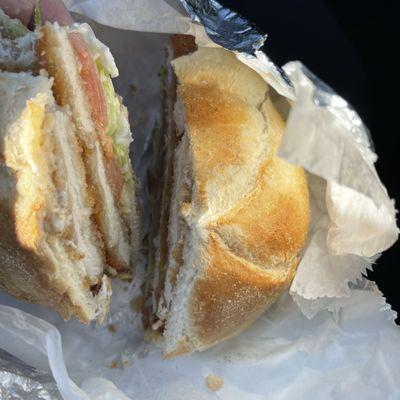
(348, 349)
(283, 356)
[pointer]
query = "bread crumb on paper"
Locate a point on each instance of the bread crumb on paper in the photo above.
(112, 328)
(122, 363)
(113, 365)
(214, 382)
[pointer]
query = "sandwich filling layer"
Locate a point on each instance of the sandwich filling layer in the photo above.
(82, 68)
(83, 83)
(53, 212)
(163, 189)
(65, 146)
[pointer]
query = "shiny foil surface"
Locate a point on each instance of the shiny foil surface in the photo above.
(18, 381)
(224, 26)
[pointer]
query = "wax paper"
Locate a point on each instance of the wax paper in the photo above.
(332, 336)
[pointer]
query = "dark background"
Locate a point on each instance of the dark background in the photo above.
(351, 45)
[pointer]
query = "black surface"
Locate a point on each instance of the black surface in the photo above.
(351, 45)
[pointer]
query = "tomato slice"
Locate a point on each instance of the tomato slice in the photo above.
(91, 80)
(95, 94)
(115, 178)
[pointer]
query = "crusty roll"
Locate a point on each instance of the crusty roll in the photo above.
(238, 214)
(69, 210)
(50, 252)
(61, 52)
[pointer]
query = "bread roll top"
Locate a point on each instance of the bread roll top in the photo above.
(245, 211)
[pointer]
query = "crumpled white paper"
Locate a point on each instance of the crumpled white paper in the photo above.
(284, 356)
(354, 219)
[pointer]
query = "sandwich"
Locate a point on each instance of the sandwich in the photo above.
(230, 217)
(68, 204)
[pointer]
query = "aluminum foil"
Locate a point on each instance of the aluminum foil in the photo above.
(224, 26)
(230, 30)
(19, 381)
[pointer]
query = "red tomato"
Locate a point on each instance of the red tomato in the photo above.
(91, 79)
(115, 178)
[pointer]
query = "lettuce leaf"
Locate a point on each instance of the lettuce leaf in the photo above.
(11, 28)
(38, 14)
(114, 110)
(120, 144)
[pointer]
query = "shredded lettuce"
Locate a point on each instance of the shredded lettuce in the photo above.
(115, 127)
(113, 106)
(11, 28)
(38, 14)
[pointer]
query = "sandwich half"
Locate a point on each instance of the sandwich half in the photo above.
(68, 192)
(234, 217)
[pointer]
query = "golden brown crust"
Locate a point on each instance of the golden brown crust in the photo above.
(276, 227)
(228, 135)
(231, 294)
(210, 110)
(250, 207)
